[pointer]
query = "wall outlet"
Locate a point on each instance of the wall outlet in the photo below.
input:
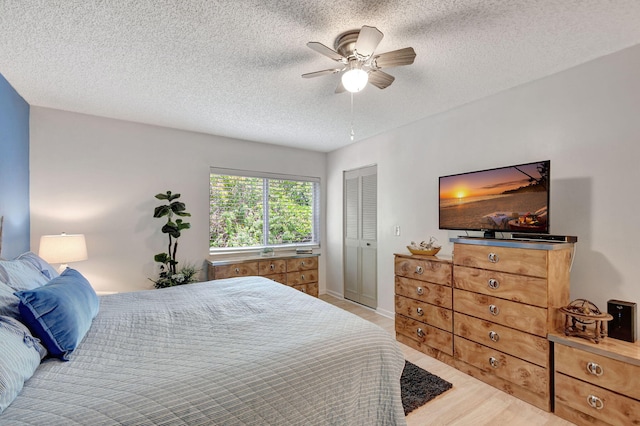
(397, 230)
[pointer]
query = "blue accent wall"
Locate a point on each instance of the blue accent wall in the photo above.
(14, 171)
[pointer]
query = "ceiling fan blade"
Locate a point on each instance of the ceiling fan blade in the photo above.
(340, 88)
(395, 58)
(368, 40)
(380, 79)
(324, 50)
(323, 72)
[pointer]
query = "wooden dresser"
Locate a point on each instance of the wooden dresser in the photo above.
(505, 300)
(424, 316)
(596, 384)
(487, 311)
(297, 271)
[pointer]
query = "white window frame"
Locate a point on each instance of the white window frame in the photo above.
(315, 243)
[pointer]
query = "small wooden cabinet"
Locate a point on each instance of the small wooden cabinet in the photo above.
(596, 384)
(298, 271)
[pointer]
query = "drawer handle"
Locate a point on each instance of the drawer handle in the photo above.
(302, 289)
(494, 310)
(272, 266)
(420, 311)
(420, 291)
(419, 270)
(237, 270)
(493, 284)
(494, 336)
(302, 263)
(494, 362)
(595, 402)
(493, 257)
(419, 332)
(595, 369)
(302, 277)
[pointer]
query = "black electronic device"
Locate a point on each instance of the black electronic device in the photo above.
(623, 324)
(505, 199)
(545, 237)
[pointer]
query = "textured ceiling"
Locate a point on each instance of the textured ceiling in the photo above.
(233, 68)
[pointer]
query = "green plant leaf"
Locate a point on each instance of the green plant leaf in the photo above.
(163, 196)
(161, 257)
(161, 211)
(178, 206)
(172, 197)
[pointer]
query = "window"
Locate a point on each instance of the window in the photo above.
(255, 209)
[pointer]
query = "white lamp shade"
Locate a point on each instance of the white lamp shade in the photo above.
(63, 248)
(355, 80)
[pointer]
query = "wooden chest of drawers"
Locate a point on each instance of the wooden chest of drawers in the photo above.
(597, 384)
(299, 272)
(424, 316)
(505, 300)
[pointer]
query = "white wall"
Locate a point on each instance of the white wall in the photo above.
(585, 120)
(98, 176)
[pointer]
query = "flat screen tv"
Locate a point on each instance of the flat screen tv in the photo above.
(512, 199)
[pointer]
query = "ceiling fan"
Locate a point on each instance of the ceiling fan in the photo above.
(354, 51)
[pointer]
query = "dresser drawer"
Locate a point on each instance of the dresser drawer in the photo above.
(424, 333)
(527, 318)
(519, 288)
(302, 277)
(434, 294)
(311, 289)
(505, 259)
(512, 369)
(609, 407)
(424, 270)
(281, 278)
(235, 270)
(424, 312)
(270, 267)
(599, 370)
(302, 264)
(513, 342)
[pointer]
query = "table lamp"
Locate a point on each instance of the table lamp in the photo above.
(63, 249)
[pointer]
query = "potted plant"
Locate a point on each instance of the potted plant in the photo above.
(170, 275)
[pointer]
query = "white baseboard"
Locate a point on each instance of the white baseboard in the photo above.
(382, 312)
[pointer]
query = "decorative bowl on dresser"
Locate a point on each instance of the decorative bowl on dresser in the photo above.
(297, 271)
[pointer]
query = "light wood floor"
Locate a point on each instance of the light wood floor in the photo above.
(470, 401)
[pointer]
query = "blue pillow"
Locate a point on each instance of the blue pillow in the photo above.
(20, 355)
(60, 313)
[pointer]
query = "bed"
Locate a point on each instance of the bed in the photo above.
(232, 351)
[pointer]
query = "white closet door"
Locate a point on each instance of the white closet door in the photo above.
(360, 235)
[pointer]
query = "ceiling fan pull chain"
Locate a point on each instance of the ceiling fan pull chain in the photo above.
(352, 133)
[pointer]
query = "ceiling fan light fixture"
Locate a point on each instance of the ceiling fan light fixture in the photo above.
(355, 79)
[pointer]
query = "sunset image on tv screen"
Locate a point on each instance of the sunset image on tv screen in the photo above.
(511, 198)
